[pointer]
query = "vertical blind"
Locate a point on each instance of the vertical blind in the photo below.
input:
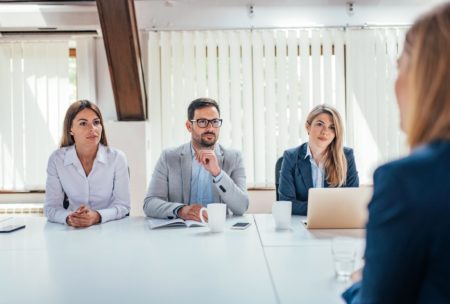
(265, 81)
(373, 124)
(33, 101)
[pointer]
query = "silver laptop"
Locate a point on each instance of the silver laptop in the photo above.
(335, 208)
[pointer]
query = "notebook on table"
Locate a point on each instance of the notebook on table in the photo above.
(155, 223)
(336, 208)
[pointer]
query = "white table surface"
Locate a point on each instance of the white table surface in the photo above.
(125, 262)
(298, 234)
(301, 262)
(305, 274)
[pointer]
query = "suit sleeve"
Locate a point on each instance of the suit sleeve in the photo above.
(352, 172)
(286, 190)
(232, 188)
(156, 202)
(394, 255)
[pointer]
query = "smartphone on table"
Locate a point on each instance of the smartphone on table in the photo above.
(240, 225)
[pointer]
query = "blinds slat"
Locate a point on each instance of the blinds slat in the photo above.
(154, 97)
(177, 88)
(339, 76)
(305, 82)
(235, 91)
(293, 88)
(317, 94)
(188, 70)
(269, 50)
(224, 88)
(328, 96)
(166, 91)
(258, 116)
(212, 65)
(281, 81)
(200, 63)
(247, 100)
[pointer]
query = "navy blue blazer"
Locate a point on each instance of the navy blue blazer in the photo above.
(296, 177)
(407, 257)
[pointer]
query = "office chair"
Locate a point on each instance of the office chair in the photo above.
(277, 174)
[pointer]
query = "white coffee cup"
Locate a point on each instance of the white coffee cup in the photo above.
(281, 212)
(216, 216)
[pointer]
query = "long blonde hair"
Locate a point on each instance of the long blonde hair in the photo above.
(335, 162)
(72, 111)
(428, 45)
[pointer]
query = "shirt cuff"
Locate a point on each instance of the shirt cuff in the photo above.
(218, 177)
(176, 209)
(61, 216)
(107, 215)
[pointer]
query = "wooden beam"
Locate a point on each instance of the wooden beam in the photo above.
(120, 35)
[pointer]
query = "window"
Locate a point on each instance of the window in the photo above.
(35, 91)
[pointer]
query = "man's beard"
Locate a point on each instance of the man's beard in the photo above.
(208, 144)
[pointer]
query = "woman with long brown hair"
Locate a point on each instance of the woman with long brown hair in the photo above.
(321, 162)
(408, 239)
(87, 181)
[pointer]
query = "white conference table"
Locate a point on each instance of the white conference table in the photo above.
(301, 262)
(126, 262)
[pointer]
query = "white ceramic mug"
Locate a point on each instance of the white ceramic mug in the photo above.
(216, 216)
(281, 212)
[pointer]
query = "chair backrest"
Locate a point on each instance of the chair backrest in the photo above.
(65, 201)
(277, 174)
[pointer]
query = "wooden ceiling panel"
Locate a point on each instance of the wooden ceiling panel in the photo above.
(120, 35)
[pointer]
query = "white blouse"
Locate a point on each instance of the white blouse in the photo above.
(106, 189)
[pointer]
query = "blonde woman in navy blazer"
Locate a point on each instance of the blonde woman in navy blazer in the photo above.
(408, 232)
(321, 162)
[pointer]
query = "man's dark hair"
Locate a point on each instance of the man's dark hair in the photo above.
(201, 103)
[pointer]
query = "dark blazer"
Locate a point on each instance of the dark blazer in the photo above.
(408, 232)
(296, 177)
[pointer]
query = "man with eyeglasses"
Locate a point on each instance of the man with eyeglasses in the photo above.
(197, 173)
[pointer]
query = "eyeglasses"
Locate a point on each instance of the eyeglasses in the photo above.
(203, 123)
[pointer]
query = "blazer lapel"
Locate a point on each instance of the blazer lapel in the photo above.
(186, 172)
(304, 167)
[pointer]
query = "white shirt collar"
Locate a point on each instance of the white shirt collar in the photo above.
(308, 152)
(71, 155)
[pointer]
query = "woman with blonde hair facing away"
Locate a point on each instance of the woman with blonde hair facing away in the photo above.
(408, 231)
(85, 171)
(323, 161)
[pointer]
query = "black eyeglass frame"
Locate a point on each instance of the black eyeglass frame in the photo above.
(208, 121)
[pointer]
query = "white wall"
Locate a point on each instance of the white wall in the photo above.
(131, 138)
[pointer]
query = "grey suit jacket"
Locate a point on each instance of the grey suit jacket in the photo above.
(170, 185)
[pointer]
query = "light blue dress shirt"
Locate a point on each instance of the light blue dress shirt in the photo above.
(318, 172)
(201, 183)
(106, 188)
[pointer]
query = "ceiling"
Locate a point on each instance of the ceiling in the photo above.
(213, 14)
(237, 2)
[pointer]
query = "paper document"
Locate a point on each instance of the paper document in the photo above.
(160, 223)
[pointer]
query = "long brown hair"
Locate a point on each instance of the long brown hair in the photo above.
(428, 45)
(72, 111)
(335, 162)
